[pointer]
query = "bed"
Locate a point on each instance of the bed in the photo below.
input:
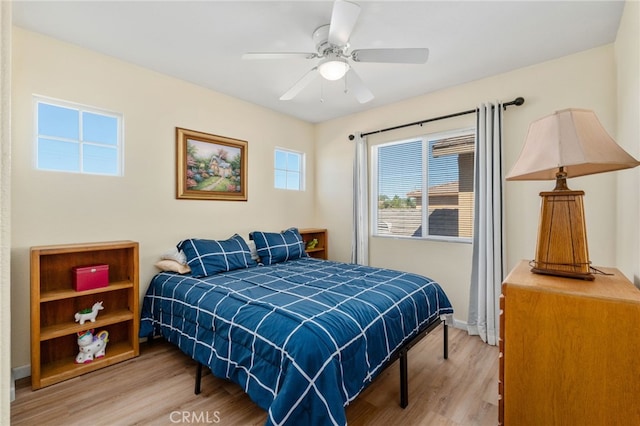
(302, 336)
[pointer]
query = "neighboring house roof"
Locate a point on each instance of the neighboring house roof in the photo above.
(443, 189)
(456, 145)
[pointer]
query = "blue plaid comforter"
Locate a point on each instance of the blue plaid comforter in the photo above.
(303, 338)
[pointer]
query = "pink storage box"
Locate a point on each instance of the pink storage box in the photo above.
(90, 276)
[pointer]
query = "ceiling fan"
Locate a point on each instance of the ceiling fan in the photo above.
(332, 48)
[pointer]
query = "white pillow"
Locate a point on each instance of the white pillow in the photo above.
(254, 250)
(173, 266)
(175, 254)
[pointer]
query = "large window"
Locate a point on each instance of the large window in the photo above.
(74, 138)
(289, 170)
(438, 165)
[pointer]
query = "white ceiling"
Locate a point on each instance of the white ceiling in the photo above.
(202, 42)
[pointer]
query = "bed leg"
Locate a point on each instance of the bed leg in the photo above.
(404, 385)
(150, 339)
(198, 378)
(446, 341)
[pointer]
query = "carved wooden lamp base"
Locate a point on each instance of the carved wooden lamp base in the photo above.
(562, 234)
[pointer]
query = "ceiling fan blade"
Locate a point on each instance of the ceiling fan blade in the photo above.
(279, 55)
(355, 85)
(300, 84)
(396, 56)
(343, 19)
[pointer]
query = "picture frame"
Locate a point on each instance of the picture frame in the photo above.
(210, 167)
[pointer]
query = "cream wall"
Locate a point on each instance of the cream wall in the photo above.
(627, 54)
(52, 208)
(584, 80)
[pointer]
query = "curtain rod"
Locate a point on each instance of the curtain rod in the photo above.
(517, 102)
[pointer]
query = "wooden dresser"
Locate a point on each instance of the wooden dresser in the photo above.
(569, 350)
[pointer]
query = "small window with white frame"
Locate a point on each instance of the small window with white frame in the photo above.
(288, 169)
(77, 138)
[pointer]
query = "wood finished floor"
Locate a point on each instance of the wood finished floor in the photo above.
(157, 389)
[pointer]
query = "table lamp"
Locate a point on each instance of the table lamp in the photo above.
(568, 143)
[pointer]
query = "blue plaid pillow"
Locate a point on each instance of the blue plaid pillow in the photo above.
(208, 257)
(274, 247)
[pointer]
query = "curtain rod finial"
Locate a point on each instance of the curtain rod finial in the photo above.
(351, 137)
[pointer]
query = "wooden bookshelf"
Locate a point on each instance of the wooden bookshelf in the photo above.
(54, 303)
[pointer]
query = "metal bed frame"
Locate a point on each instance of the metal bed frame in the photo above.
(400, 353)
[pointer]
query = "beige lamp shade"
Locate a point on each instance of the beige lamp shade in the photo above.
(573, 139)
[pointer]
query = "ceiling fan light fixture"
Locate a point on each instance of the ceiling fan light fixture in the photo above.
(333, 68)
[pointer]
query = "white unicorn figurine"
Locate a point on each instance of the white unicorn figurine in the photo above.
(91, 346)
(89, 314)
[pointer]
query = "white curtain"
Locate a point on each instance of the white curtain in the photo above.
(360, 240)
(487, 270)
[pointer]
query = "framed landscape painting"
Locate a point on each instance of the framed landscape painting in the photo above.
(210, 167)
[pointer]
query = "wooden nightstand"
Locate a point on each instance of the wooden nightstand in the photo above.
(321, 251)
(569, 350)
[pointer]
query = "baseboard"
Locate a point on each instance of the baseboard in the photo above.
(12, 389)
(18, 373)
(21, 372)
(459, 324)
